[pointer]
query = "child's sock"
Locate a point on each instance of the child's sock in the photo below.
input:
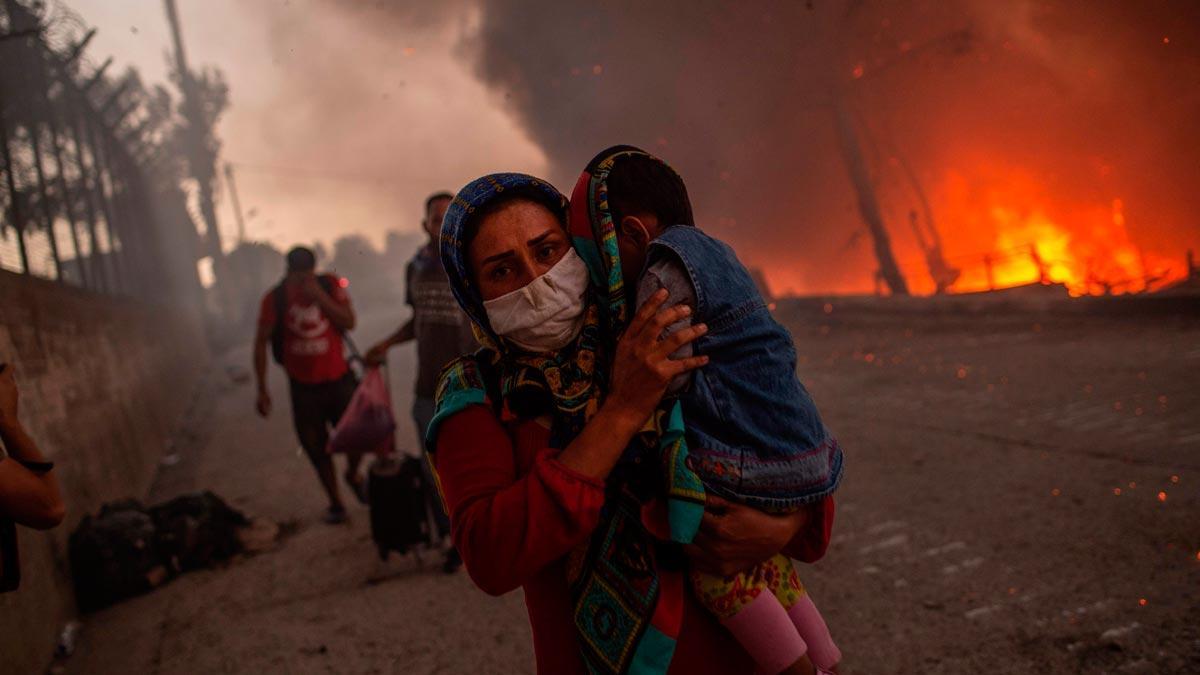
(810, 624)
(766, 631)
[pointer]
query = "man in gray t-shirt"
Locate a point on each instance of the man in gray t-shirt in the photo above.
(440, 329)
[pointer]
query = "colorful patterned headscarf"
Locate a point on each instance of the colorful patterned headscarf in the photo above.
(567, 383)
(595, 237)
(474, 197)
(631, 627)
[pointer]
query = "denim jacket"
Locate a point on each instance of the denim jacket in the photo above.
(754, 434)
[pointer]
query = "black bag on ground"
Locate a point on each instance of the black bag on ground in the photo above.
(197, 530)
(115, 556)
(396, 493)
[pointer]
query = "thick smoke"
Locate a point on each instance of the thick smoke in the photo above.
(1088, 101)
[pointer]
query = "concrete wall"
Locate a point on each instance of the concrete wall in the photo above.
(103, 382)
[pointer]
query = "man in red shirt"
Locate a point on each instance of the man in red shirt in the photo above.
(303, 320)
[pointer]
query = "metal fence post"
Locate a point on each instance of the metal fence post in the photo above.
(14, 197)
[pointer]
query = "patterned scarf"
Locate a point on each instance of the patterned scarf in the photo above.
(627, 586)
(594, 236)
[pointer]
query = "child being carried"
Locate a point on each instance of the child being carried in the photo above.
(753, 433)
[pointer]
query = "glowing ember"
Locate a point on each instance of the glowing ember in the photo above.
(1174, 479)
(1162, 496)
(1055, 492)
(1142, 602)
(1117, 491)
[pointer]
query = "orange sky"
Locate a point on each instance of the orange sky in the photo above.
(306, 177)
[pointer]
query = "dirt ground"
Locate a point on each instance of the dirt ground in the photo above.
(1022, 496)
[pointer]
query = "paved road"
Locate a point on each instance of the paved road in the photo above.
(323, 602)
(1022, 496)
(1021, 492)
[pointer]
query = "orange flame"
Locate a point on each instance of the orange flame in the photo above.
(1009, 233)
(1002, 227)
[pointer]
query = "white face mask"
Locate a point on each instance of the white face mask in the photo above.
(547, 313)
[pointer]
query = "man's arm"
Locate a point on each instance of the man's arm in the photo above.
(261, 338)
(405, 333)
(28, 497)
(378, 351)
(340, 313)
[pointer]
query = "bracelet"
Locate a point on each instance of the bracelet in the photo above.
(39, 468)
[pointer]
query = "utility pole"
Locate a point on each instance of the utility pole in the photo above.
(200, 159)
(868, 204)
(237, 204)
(1043, 276)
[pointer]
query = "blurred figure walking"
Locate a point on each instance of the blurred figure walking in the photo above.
(442, 333)
(303, 320)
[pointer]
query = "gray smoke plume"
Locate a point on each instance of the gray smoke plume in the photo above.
(740, 97)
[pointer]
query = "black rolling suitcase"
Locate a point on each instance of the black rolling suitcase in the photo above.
(396, 495)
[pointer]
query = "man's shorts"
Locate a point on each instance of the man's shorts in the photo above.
(316, 408)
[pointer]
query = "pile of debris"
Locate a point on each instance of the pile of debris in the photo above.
(129, 549)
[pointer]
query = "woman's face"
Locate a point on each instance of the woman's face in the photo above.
(513, 246)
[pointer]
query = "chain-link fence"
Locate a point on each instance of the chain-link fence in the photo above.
(87, 170)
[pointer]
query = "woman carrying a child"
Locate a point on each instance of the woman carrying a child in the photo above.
(562, 467)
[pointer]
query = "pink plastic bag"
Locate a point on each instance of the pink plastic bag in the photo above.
(368, 424)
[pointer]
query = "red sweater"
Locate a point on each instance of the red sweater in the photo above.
(516, 512)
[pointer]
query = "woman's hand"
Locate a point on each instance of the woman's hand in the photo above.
(734, 537)
(643, 367)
